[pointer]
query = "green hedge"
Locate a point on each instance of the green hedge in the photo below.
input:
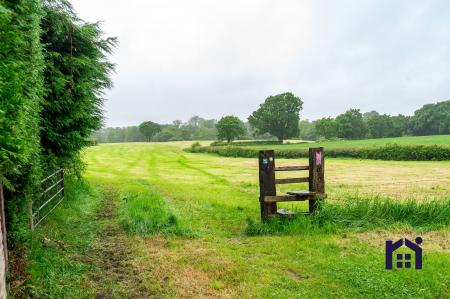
(245, 143)
(388, 152)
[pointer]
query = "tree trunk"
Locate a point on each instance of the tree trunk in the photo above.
(280, 139)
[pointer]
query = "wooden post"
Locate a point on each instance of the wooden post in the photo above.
(3, 225)
(267, 183)
(316, 175)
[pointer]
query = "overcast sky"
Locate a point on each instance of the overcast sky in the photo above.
(179, 58)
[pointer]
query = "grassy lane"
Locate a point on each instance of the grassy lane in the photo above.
(202, 250)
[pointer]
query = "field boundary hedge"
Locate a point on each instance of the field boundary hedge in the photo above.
(388, 152)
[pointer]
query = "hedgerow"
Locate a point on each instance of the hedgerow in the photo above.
(21, 91)
(53, 70)
(245, 143)
(388, 152)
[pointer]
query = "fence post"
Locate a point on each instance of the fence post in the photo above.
(3, 225)
(316, 175)
(62, 177)
(267, 183)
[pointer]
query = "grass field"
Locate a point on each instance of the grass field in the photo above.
(159, 222)
(443, 140)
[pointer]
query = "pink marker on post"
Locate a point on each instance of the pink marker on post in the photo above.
(319, 158)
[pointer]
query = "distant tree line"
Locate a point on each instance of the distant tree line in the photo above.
(196, 128)
(431, 119)
(278, 117)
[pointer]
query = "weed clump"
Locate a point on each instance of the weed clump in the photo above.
(359, 214)
(147, 214)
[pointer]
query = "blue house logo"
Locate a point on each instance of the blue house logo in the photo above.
(404, 260)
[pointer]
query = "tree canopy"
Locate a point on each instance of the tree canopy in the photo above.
(278, 116)
(230, 128)
(432, 119)
(77, 72)
(326, 127)
(380, 125)
(350, 125)
(149, 129)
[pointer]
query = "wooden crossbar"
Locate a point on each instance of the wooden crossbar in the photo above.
(292, 180)
(291, 168)
(279, 198)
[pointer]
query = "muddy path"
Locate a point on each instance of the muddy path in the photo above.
(116, 276)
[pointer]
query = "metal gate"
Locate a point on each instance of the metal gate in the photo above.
(48, 199)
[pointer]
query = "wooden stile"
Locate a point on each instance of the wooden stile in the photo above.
(267, 182)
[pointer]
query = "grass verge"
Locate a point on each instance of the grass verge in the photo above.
(60, 247)
(360, 214)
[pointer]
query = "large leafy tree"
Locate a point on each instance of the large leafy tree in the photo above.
(402, 125)
(76, 74)
(380, 125)
(278, 116)
(326, 127)
(351, 124)
(432, 119)
(229, 128)
(149, 129)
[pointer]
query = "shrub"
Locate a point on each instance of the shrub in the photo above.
(388, 152)
(245, 143)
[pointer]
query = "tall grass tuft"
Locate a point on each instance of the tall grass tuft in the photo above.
(360, 214)
(147, 213)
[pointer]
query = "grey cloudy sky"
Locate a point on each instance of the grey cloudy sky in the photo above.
(179, 58)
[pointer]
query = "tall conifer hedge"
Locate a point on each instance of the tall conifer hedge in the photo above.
(53, 71)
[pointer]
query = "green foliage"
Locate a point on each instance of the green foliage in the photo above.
(387, 152)
(69, 231)
(307, 130)
(246, 143)
(326, 127)
(350, 125)
(360, 213)
(379, 126)
(21, 67)
(230, 128)
(147, 213)
(278, 116)
(196, 128)
(149, 129)
(76, 74)
(401, 125)
(168, 133)
(432, 119)
(53, 68)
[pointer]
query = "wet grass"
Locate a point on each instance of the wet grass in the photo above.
(192, 229)
(61, 247)
(147, 213)
(360, 214)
